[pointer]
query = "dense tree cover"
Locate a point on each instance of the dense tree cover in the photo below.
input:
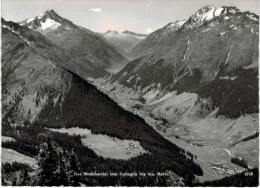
(57, 167)
(28, 144)
(15, 173)
(15, 166)
(88, 161)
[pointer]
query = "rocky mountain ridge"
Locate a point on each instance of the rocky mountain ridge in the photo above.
(186, 58)
(84, 45)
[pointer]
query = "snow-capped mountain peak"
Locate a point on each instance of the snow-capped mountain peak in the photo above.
(207, 13)
(49, 20)
(204, 14)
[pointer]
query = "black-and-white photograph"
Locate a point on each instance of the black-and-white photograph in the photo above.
(137, 93)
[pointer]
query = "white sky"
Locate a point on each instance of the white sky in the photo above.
(141, 16)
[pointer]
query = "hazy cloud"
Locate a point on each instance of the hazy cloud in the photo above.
(95, 9)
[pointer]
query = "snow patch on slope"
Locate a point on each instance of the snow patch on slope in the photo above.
(218, 11)
(209, 15)
(252, 17)
(49, 23)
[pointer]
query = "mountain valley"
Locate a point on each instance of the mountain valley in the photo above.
(206, 105)
(181, 100)
(50, 96)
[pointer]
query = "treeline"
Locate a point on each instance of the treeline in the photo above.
(158, 160)
(15, 174)
(28, 143)
(58, 167)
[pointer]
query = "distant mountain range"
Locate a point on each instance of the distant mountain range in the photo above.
(124, 42)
